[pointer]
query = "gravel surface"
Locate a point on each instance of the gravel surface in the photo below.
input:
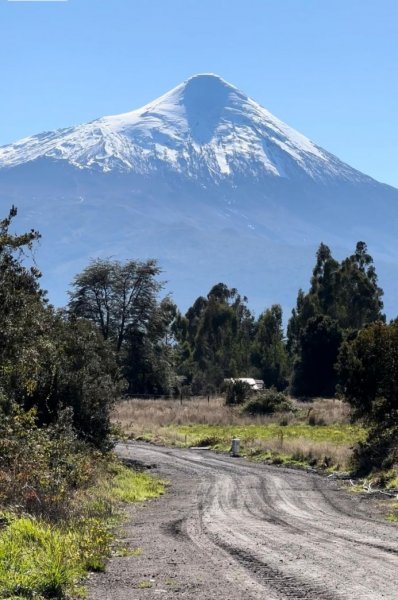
(228, 529)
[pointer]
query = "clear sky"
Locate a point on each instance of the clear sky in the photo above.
(329, 68)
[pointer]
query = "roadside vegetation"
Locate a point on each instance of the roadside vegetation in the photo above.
(61, 501)
(61, 490)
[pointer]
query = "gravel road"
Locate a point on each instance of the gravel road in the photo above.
(228, 529)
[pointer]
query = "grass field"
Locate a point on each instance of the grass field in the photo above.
(317, 433)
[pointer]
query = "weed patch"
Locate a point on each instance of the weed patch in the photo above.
(37, 558)
(130, 486)
(125, 551)
(40, 559)
(143, 585)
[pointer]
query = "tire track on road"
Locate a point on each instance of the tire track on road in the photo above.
(295, 535)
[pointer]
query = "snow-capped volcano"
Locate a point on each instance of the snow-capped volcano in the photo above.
(208, 182)
(204, 128)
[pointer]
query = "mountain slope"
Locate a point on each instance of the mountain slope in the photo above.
(207, 181)
(202, 128)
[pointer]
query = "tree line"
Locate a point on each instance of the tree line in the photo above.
(118, 335)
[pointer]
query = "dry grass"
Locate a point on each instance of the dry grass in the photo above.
(323, 412)
(302, 450)
(137, 416)
(316, 433)
(143, 415)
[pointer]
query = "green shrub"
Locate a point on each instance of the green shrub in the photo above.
(41, 468)
(237, 392)
(378, 451)
(368, 371)
(268, 402)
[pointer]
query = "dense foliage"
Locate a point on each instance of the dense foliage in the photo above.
(368, 369)
(215, 337)
(268, 402)
(219, 338)
(121, 300)
(48, 361)
(268, 354)
(58, 382)
(237, 391)
(40, 468)
(343, 297)
(314, 368)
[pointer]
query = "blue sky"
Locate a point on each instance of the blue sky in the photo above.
(329, 68)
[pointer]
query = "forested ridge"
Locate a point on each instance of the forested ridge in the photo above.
(63, 370)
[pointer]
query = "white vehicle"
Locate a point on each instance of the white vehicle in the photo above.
(255, 384)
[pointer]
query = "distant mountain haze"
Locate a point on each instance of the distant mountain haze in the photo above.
(208, 182)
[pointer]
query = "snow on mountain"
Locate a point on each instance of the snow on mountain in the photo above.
(208, 182)
(204, 129)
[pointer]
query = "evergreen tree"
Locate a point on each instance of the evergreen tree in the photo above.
(47, 361)
(348, 294)
(269, 352)
(368, 373)
(149, 356)
(22, 311)
(360, 297)
(121, 299)
(116, 296)
(314, 373)
(215, 338)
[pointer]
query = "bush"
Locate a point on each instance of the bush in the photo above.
(237, 392)
(378, 451)
(80, 373)
(268, 402)
(40, 468)
(368, 370)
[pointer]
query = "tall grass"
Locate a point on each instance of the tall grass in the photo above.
(137, 416)
(316, 433)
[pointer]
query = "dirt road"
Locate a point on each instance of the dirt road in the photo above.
(231, 530)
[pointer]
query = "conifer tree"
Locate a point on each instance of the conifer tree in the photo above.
(215, 338)
(269, 352)
(345, 293)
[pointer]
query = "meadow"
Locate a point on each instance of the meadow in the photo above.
(316, 433)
